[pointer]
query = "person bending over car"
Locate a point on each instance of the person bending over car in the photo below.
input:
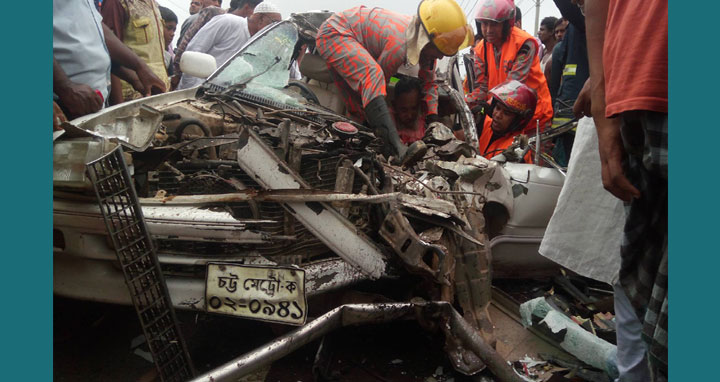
(364, 47)
(512, 107)
(507, 52)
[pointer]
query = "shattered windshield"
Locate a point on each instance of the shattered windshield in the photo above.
(261, 68)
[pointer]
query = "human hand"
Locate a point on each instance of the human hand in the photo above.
(580, 4)
(149, 82)
(58, 117)
(430, 118)
(611, 155)
(174, 81)
(301, 53)
(78, 99)
(583, 104)
(459, 134)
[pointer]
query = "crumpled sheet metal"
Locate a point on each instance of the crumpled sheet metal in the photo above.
(468, 169)
(323, 221)
(453, 150)
(432, 235)
(134, 130)
(432, 207)
(412, 249)
(472, 287)
(579, 342)
(438, 133)
(494, 184)
(466, 117)
(416, 186)
(359, 314)
(308, 23)
(440, 184)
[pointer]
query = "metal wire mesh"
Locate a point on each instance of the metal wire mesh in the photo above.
(136, 253)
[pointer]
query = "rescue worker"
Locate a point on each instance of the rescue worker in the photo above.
(569, 73)
(512, 107)
(364, 47)
(507, 52)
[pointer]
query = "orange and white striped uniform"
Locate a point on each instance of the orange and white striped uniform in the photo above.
(363, 48)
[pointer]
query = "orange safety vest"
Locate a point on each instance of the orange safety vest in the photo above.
(489, 150)
(535, 80)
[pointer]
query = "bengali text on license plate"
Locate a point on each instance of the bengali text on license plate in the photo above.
(263, 293)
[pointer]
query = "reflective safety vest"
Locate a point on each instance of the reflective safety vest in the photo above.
(144, 35)
(535, 79)
(489, 150)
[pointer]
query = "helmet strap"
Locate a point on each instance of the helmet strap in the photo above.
(507, 29)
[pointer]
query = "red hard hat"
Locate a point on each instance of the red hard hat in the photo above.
(496, 10)
(517, 97)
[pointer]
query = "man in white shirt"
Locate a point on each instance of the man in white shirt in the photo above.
(225, 34)
(84, 51)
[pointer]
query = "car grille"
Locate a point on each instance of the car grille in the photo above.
(211, 177)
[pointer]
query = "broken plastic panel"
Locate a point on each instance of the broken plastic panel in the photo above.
(70, 157)
(133, 130)
(136, 256)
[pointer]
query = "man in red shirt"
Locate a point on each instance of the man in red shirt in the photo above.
(628, 57)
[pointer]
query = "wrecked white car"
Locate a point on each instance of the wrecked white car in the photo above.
(261, 196)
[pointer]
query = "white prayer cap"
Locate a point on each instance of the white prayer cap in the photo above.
(266, 7)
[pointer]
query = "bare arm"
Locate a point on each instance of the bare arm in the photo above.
(609, 139)
(548, 70)
(114, 17)
(76, 99)
(144, 80)
(571, 12)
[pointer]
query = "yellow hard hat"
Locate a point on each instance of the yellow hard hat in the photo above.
(445, 23)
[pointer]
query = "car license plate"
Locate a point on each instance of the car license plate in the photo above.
(274, 294)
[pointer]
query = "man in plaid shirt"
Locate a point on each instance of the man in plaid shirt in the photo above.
(628, 57)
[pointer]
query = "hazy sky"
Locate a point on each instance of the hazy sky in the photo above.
(547, 7)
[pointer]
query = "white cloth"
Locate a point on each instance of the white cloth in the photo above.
(544, 60)
(585, 230)
(295, 71)
(416, 38)
(631, 349)
(221, 38)
(79, 44)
